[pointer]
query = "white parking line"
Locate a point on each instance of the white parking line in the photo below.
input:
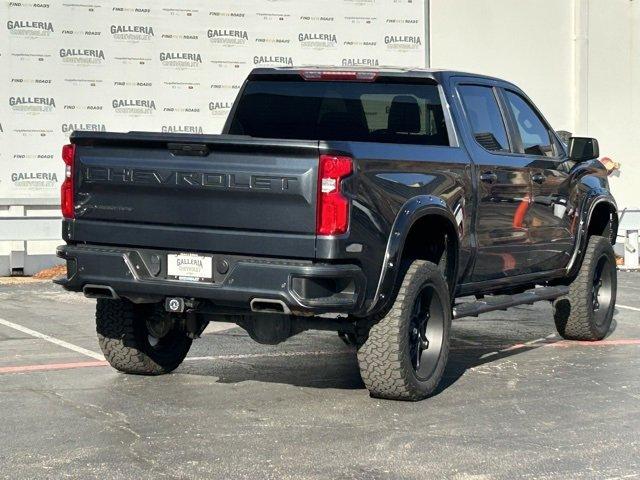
(626, 307)
(518, 346)
(51, 339)
(468, 342)
(215, 327)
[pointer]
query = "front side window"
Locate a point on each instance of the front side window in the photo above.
(485, 118)
(535, 135)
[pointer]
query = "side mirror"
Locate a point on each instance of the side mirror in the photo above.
(582, 149)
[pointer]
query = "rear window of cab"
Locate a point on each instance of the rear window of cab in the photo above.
(341, 110)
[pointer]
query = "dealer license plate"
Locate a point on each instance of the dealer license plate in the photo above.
(189, 267)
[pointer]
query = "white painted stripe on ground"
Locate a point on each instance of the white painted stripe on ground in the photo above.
(50, 339)
(626, 307)
(468, 342)
(215, 327)
(518, 346)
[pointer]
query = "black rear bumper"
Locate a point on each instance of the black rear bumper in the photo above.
(304, 287)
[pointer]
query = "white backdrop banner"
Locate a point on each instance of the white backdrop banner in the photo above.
(168, 66)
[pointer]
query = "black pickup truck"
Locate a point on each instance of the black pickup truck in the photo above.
(364, 202)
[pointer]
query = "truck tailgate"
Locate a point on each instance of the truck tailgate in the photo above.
(196, 185)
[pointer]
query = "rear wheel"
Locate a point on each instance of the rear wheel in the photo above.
(406, 352)
(587, 311)
(140, 339)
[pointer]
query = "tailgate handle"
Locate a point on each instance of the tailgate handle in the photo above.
(193, 149)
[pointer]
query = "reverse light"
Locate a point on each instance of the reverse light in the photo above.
(340, 75)
(333, 206)
(67, 190)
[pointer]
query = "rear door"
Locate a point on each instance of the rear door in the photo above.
(503, 183)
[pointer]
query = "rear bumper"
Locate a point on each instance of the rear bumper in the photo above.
(305, 287)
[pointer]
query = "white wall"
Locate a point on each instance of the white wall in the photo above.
(613, 87)
(579, 60)
(528, 42)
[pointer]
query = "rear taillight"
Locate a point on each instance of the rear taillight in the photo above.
(66, 191)
(333, 206)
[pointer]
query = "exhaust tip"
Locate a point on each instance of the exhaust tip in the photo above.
(269, 305)
(99, 291)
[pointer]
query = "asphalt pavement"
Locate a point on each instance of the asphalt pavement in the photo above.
(516, 402)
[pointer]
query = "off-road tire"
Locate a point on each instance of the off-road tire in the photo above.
(384, 358)
(574, 313)
(123, 338)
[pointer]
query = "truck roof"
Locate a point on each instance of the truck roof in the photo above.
(437, 74)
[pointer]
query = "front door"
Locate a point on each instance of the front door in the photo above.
(504, 186)
(550, 213)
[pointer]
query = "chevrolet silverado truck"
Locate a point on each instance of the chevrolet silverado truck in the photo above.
(380, 204)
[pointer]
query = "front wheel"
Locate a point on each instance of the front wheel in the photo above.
(587, 311)
(406, 352)
(140, 339)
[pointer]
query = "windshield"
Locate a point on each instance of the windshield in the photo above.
(350, 111)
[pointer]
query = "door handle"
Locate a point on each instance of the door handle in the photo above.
(488, 177)
(538, 178)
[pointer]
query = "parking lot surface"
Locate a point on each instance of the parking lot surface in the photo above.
(516, 402)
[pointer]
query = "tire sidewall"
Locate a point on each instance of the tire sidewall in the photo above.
(601, 248)
(427, 274)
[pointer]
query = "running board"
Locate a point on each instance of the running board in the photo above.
(502, 302)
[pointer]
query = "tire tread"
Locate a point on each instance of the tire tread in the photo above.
(572, 313)
(382, 357)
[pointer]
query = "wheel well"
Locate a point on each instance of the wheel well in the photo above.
(603, 222)
(433, 238)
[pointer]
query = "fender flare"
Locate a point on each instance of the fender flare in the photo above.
(591, 201)
(411, 211)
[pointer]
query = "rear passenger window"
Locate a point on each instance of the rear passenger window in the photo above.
(534, 134)
(483, 113)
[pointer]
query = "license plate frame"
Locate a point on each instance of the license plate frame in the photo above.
(190, 267)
